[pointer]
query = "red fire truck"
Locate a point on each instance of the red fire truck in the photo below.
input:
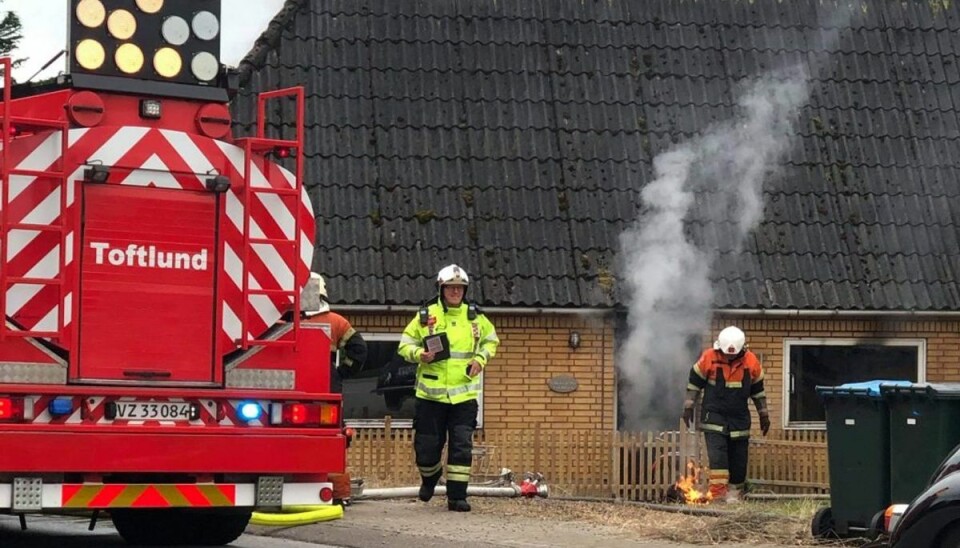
(150, 362)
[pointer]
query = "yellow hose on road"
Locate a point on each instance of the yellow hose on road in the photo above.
(298, 515)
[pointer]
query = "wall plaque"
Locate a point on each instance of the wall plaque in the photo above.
(563, 384)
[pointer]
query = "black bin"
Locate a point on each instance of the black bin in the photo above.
(858, 453)
(924, 429)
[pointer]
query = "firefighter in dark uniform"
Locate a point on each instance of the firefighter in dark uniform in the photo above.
(730, 376)
(447, 386)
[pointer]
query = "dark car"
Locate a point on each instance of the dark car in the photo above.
(932, 520)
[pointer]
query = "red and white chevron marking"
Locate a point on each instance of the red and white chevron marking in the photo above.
(161, 158)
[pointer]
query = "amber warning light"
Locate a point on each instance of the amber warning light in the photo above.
(167, 40)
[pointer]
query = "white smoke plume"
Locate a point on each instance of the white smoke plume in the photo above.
(716, 180)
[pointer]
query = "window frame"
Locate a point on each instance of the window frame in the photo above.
(789, 342)
(404, 424)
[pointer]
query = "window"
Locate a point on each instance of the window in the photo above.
(831, 362)
(385, 386)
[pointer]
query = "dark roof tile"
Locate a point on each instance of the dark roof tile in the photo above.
(515, 138)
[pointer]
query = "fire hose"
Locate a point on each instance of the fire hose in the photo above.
(298, 515)
(531, 486)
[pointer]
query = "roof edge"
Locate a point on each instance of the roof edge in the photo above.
(815, 313)
(268, 40)
(522, 310)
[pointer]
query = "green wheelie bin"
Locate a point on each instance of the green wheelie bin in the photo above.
(924, 429)
(858, 454)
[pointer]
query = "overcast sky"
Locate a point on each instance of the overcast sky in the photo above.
(45, 31)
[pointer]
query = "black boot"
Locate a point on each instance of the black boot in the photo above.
(458, 505)
(427, 485)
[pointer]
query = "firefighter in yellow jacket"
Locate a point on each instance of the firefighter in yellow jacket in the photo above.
(451, 341)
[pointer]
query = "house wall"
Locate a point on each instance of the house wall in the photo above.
(534, 349)
(765, 336)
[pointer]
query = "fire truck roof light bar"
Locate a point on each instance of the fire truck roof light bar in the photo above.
(152, 41)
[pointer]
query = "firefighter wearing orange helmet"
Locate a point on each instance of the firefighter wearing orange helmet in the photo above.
(451, 341)
(730, 376)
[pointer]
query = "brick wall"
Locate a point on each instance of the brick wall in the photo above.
(532, 350)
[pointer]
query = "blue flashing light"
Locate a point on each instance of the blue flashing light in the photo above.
(250, 411)
(60, 406)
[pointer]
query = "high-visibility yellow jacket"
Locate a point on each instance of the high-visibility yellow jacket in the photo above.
(447, 380)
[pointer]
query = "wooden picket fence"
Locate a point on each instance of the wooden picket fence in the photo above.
(626, 465)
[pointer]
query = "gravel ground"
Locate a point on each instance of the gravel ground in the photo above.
(543, 523)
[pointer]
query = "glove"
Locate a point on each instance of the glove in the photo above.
(764, 423)
(688, 413)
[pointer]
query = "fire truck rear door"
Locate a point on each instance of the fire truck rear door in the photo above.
(147, 292)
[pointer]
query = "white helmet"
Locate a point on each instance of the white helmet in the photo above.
(313, 298)
(452, 275)
(730, 341)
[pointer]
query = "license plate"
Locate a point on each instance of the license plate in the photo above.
(151, 410)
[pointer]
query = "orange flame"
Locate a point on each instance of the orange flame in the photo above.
(688, 486)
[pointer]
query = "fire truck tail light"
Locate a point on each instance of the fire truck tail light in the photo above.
(11, 409)
(296, 413)
(329, 414)
(305, 414)
(326, 494)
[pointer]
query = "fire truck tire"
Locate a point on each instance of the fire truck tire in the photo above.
(298, 515)
(180, 527)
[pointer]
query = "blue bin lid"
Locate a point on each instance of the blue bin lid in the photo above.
(869, 389)
(944, 391)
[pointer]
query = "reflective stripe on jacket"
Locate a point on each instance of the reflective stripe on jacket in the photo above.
(343, 338)
(447, 380)
(727, 386)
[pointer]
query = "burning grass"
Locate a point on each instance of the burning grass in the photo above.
(781, 522)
